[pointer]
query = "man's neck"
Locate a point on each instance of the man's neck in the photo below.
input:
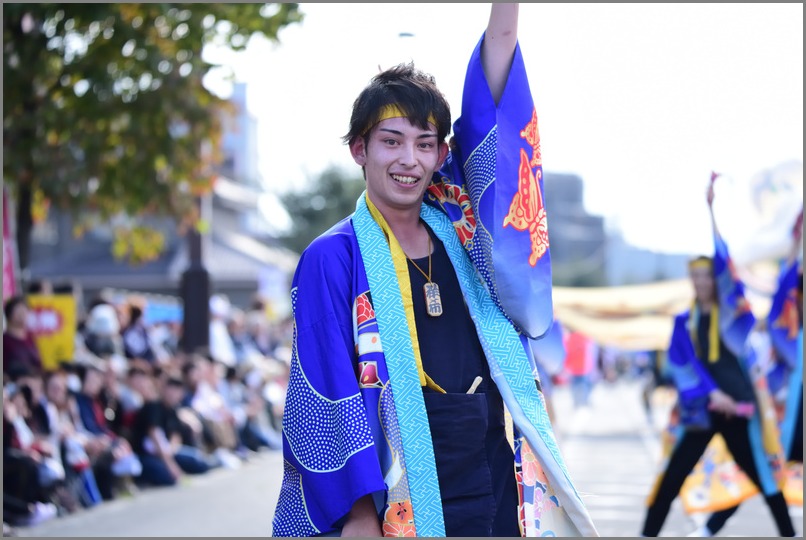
(19, 332)
(408, 230)
(705, 307)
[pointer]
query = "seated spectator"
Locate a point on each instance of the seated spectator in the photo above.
(102, 332)
(30, 471)
(248, 408)
(163, 344)
(221, 347)
(157, 435)
(131, 393)
(114, 462)
(276, 386)
(136, 339)
(62, 415)
(245, 348)
(203, 398)
(41, 420)
(19, 349)
(260, 332)
(113, 391)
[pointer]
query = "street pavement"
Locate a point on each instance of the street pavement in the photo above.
(611, 450)
(221, 503)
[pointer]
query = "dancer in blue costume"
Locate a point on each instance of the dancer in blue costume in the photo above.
(413, 320)
(706, 358)
(785, 327)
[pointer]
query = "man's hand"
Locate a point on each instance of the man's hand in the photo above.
(175, 470)
(363, 520)
(719, 401)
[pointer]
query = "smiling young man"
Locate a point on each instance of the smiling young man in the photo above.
(408, 346)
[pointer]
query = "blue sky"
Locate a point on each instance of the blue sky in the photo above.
(641, 100)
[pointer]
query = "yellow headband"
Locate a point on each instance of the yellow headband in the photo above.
(700, 263)
(393, 111)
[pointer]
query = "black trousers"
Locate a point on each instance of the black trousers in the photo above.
(21, 477)
(795, 453)
(685, 456)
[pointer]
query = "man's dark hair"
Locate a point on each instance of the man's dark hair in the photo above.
(68, 366)
(11, 304)
(134, 314)
(97, 301)
(36, 287)
(173, 380)
(187, 368)
(136, 372)
(17, 371)
(83, 368)
(412, 90)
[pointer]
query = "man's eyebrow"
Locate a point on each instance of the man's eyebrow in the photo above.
(426, 135)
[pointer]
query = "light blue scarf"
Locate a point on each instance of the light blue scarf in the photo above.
(504, 348)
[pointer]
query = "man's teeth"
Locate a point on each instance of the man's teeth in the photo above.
(405, 179)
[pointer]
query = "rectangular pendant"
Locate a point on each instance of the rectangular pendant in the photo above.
(433, 301)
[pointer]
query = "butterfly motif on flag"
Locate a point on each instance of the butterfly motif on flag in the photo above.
(527, 212)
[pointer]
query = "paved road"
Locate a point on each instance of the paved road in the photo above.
(611, 451)
(222, 503)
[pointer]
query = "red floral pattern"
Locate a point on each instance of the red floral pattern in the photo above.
(368, 375)
(447, 193)
(399, 520)
(399, 512)
(399, 530)
(364, 310)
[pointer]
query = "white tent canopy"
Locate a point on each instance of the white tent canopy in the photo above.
(640, 317)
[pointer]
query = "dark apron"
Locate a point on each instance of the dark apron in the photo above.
(458, 429)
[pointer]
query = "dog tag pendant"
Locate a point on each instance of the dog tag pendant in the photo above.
(433, 301)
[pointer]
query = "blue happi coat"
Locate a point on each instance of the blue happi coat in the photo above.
(354, 420)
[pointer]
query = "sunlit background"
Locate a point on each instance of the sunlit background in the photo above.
(642, 101)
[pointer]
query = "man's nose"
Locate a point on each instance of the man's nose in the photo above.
(407, 155)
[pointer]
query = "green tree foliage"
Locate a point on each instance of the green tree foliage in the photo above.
(105, 113)
(329, 198)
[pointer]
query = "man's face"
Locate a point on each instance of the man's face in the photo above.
(57, 389)
(142, 384)
(173, 394)
(399, 160)
(19, 316)
(703, 282)
(93, 382)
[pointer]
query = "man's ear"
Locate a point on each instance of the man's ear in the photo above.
(443, 154)
(358, 149)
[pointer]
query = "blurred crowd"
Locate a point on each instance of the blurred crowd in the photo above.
(131, 409)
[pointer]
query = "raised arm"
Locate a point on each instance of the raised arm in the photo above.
(500, 40)
(797, 240)
(710, 198)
